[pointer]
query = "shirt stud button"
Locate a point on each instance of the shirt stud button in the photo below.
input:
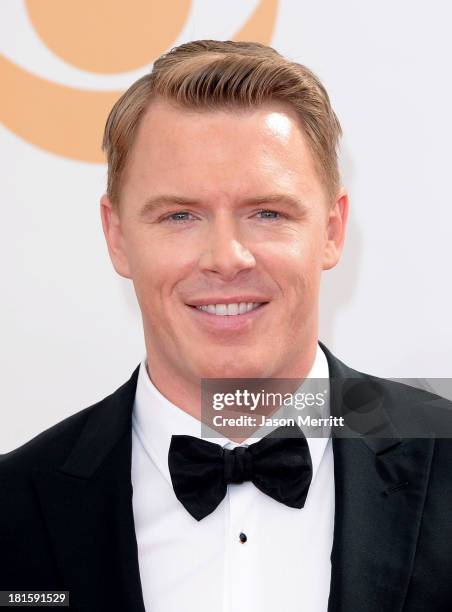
(243, 537)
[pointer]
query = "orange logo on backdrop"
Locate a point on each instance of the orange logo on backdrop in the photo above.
(103, 37)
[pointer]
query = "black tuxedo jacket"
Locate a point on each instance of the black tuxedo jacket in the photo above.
(66, 519)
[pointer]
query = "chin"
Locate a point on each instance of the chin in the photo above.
(227, 369)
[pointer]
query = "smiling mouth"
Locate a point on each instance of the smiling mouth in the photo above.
(228, 310)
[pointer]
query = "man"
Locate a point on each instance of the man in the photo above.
(224, 205)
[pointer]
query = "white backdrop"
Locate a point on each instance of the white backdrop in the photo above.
(71, 328)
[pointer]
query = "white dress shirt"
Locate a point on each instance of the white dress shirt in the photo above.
(188, 565)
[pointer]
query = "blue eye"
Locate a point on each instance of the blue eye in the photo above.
(273, 212)
(177, 220)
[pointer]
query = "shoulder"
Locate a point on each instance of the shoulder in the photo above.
(18, 500)
(414, 409)
(46, 449)
(50, 448)
(87, 437)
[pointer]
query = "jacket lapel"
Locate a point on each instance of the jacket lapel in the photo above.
(87, 505)
(380, 489)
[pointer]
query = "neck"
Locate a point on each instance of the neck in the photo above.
(183, 389)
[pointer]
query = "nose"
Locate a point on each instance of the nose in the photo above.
(224, 253)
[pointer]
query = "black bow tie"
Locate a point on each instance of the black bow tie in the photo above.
(278, 466)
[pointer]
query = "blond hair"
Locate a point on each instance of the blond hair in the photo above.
(211, 74)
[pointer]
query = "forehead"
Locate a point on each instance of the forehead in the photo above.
(219, 149)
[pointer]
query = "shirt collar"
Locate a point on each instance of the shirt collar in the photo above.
(155, 419)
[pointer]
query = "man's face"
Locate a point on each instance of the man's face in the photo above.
(219, 208)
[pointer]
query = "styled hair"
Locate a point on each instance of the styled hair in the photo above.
(212, 74)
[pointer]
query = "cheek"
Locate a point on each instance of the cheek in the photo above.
(158, 267)
(296, 266)
(148, 257)
(148, 268)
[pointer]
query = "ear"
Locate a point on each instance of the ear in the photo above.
(335, 230)
(111, 225)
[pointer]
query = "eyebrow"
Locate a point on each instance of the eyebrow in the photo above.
(157, 202)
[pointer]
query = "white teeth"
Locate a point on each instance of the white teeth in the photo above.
(221, 309)
(229, 309)
(242, 307)
(233, 309)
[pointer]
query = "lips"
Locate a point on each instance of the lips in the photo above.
(215, 323)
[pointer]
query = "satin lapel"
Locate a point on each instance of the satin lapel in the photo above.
(380, 489)
(87, 505)
(377, 522)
